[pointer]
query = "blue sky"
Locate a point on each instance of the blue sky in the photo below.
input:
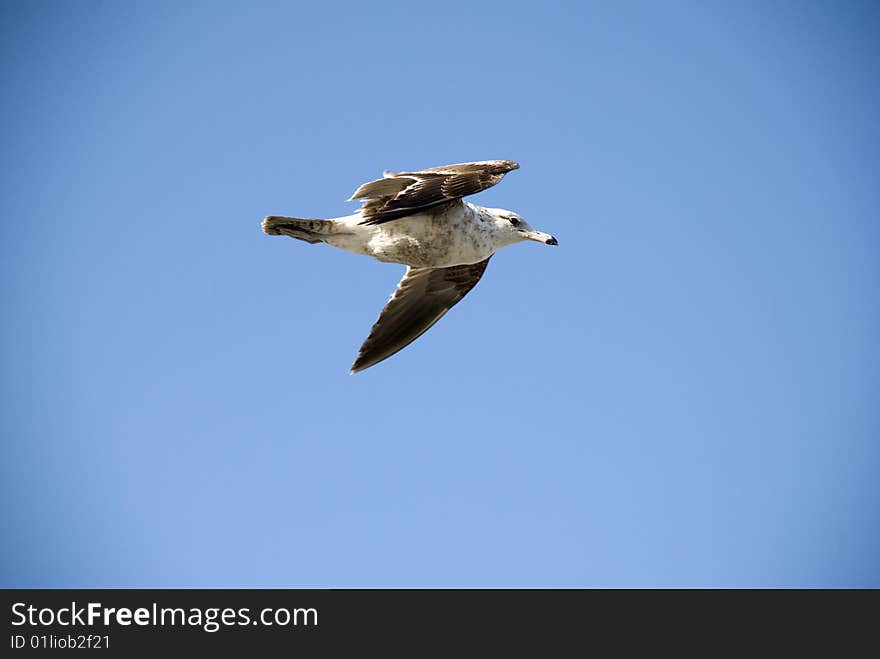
(683, 393)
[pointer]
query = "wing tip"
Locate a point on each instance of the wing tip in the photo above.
(360, 364)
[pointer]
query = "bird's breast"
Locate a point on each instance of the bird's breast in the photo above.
(436, 240)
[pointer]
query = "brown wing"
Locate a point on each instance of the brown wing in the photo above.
(420, 300)
(405, 193)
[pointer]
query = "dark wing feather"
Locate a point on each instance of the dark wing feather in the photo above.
(405, 193)
(420, 300)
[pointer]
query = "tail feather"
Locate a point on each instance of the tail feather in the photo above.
(311, 231)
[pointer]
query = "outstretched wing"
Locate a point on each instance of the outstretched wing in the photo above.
(405, 193)
(420, 300)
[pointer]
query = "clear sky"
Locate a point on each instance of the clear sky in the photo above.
(683, 393)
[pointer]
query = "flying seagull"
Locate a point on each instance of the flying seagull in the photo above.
(420, 220)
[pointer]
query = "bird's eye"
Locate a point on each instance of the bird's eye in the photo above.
(514, 221)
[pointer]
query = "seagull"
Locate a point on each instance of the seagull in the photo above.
(420, 220)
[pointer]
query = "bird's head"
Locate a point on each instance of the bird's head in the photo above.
(514, 228)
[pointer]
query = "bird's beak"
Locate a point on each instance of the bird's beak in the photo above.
(540, 237)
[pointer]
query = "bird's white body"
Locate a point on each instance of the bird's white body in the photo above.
(455, 234)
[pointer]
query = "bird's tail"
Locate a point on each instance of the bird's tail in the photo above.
(312, 231)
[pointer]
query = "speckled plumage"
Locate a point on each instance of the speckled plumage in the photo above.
(455, 233)
(418, 219)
